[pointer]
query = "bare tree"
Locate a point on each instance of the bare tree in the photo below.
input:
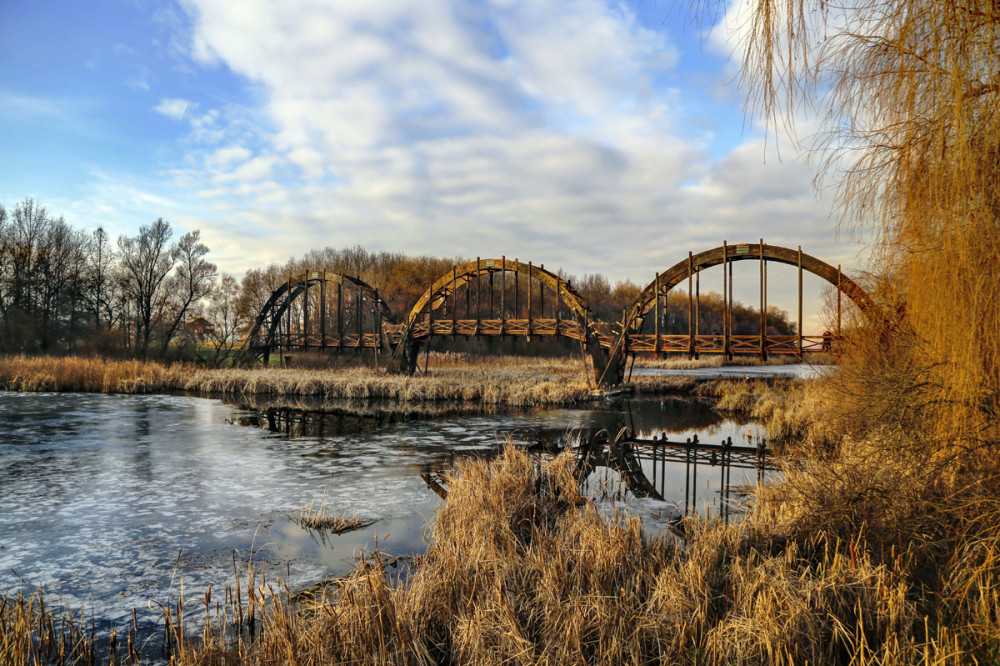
(28, 225)
(191, 282)
(99, 280)
(225, 317)
(58, 276)
(146, 261)
(6, 277)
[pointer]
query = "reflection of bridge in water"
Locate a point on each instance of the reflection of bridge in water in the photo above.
(685, 472)
(331, 312)
(642, 465)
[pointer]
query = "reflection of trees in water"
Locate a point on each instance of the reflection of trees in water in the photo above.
(669, 414)
(320, 425)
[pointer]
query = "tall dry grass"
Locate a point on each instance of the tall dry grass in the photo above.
(77, 373)
(509, 382)
(521, 570)
(518, 572)
(789, 409)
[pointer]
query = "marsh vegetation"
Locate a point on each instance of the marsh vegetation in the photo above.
(492, 381)
(880, 543)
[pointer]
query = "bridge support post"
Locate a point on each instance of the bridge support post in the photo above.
(725, 301)
(288, 313)
(411, 356)
(609, 367)
(305, 312)
(800, 303)
(541, 297)
(729, 315)
(690, 307)
(453, 304)
(763, 304)
(503, 296)
(322, 312)
(529, 299)
(656, 323)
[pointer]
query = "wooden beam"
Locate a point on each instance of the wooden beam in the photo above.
(656, 345)
(322, 312)
(725, 300)
(529, 298)
(690, 307)
(305, 311)
(503, 294)
(800, 303)
(763, 335)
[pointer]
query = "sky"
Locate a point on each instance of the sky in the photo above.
(585, 135)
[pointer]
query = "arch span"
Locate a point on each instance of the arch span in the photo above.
(723, 255)
(517, 298)
(320, 309)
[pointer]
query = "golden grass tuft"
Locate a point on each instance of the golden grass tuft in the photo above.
(787, 408)
(317, 519)
(77, 373)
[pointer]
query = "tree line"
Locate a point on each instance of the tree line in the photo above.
(64, 289)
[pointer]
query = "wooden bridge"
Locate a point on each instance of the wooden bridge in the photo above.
(329, 312)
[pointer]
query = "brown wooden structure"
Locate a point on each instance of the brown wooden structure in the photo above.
(320, 310)
(501, 297)
(326, 311)
(632, 339)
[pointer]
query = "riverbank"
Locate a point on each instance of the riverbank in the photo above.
(498, 382)
(851, 559)
(869, 550)
(834, 565)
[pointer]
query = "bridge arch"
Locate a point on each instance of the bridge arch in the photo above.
(743, 252)
(518, 298)
(323, 310)
(629, 340)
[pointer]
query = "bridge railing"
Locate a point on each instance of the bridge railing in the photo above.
(637, 343)
(738, 344)
(317, 341)
(494, 327)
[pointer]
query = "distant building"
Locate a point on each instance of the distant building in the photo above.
(197, 329)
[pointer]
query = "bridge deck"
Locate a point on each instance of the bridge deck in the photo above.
(567, 328)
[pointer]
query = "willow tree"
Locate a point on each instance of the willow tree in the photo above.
(909, 91)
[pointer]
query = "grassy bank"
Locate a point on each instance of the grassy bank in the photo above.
(514, 382)
(872, 548)
(831, 566)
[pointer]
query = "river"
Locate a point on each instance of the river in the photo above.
(110, 502)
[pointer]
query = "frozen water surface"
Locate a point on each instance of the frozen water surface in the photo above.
(110, 501)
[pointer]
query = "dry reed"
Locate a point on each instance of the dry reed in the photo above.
(317, 519)
(516, 572)
(508, 382)
(839, 564)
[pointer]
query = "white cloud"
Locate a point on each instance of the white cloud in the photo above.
(451, 128)
(228, 155)
(174, 108)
